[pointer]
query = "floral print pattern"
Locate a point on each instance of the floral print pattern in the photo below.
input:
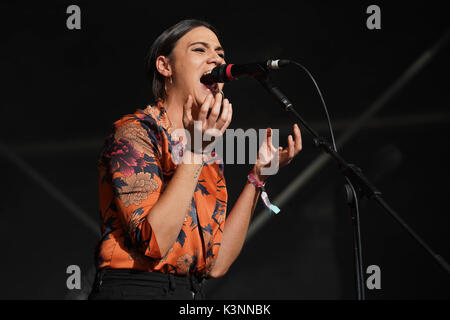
(135, 166)
(137, 187)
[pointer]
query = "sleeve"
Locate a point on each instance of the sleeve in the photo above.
(135, 166)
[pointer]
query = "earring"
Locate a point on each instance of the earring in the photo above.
(170, 81)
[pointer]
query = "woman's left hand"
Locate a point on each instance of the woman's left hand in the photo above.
(267, 154)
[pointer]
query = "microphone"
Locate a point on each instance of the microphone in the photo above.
(229, 72)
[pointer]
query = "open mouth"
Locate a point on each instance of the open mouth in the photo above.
(209, 83)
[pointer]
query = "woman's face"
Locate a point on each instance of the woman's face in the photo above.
(196, 53)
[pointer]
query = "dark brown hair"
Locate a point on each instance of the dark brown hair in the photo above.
(163, 46)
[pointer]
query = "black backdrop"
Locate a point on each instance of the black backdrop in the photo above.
(62, 90)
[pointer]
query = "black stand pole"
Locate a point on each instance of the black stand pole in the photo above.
(363, 188)
(353, 204)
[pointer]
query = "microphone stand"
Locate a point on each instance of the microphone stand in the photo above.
(354, 177)
(353, 203)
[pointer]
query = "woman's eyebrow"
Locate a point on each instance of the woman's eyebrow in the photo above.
(218, 48)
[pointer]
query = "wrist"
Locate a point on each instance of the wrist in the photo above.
(259, 185)
(257, 174)
(191, 157)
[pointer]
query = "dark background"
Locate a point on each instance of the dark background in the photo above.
(62, 89)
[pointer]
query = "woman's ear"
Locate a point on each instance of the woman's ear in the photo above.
(163, 66)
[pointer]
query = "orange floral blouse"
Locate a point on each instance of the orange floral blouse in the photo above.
(135, 166)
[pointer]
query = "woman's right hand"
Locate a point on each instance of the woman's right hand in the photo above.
(203, 126)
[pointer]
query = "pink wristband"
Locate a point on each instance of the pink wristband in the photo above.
(255, 181)
(264, 196)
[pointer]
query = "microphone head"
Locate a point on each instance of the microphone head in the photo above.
(207, 79)
(218, 74)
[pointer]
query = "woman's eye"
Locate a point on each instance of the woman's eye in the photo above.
(222, 55)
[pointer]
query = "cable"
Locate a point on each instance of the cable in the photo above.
(321, 98)
(357, 235)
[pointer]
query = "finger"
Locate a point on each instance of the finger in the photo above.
(224, 116)
(291, 148)
(263, 147)
(298, 139)
(269, 152)
(269, 141)
(229, 117)
(204, 108)
(187, 114)
(230, 114)
(215, 110)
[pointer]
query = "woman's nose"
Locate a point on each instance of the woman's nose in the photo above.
(215, 58)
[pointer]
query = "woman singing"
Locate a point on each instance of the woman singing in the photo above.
(166, 224)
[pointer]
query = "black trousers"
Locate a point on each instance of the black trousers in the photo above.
(128, 284)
